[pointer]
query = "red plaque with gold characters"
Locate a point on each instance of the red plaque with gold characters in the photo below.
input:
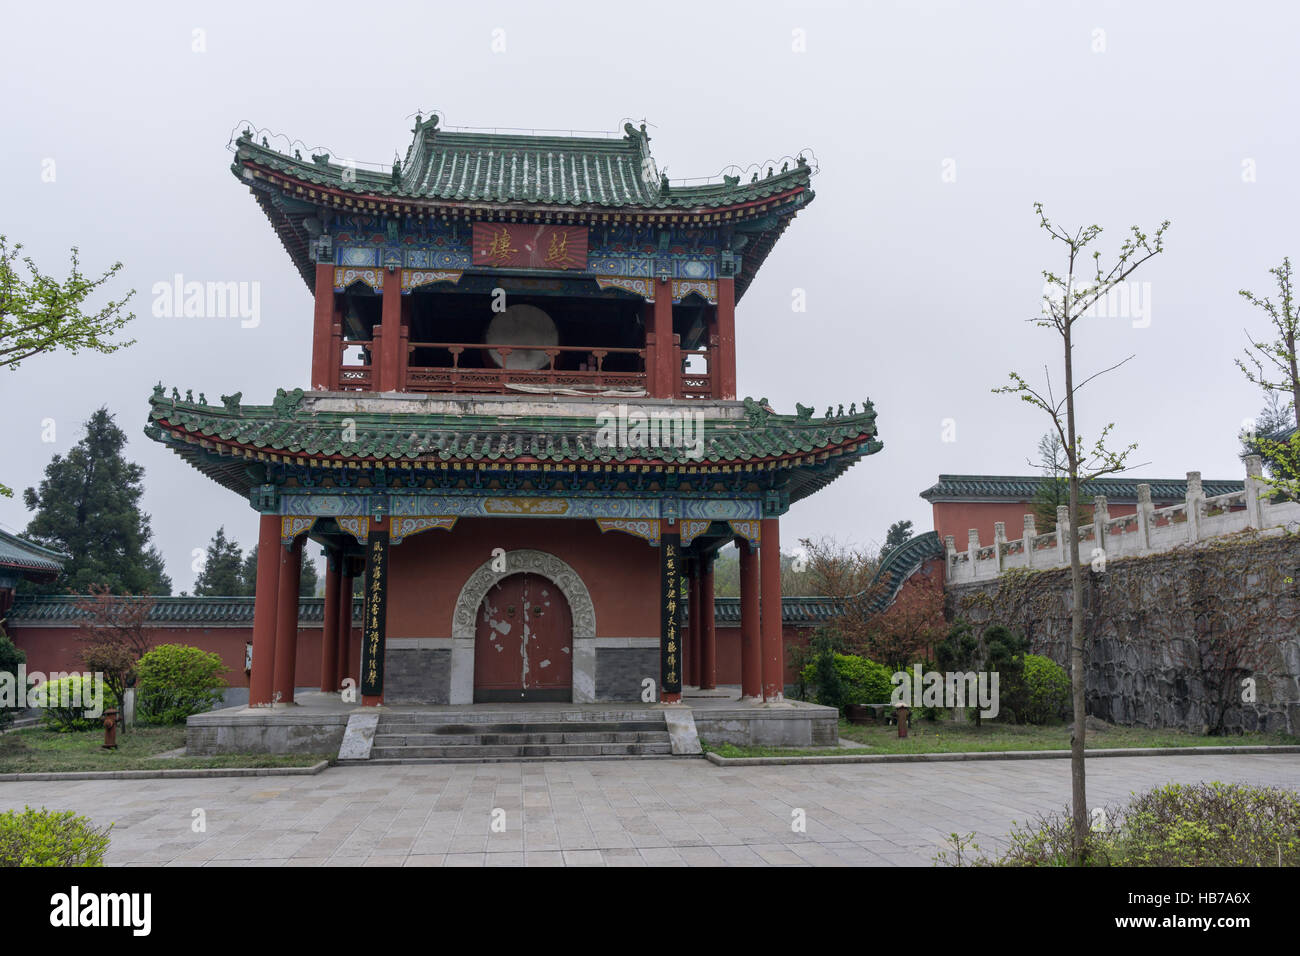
(525, 246)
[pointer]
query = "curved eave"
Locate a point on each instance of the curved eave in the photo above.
(799, 473)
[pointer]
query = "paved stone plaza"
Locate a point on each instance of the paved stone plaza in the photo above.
(667, 811)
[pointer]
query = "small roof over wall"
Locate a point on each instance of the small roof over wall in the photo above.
(1024, 487)
(18, 555)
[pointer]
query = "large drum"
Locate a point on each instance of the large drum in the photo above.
(521, 325)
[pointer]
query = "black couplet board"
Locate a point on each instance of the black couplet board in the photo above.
(372, 643)
(670, 594)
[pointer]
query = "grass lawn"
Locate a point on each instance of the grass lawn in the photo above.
(38, 750)
(945, 736)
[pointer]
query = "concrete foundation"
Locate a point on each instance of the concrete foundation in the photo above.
(317, 722)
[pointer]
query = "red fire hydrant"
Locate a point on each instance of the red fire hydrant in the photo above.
(110, 729)
(900, 713)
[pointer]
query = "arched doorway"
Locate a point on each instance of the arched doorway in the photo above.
(523, 642)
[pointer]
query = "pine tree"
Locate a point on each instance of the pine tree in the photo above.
(88, 505)
(899, 532)
(220, 576)
(307, 578)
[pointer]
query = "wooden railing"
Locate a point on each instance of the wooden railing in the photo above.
(354, 378)
(695, 384)
(458, 378)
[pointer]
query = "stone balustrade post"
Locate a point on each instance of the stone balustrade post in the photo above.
(972, 550)
(1062, 534)
(1256, 492)
(1100, 515)
(1195, 500)
(1029, 534)
(1144, 510)
(999, 540)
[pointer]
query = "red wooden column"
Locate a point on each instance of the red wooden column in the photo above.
(286, 620)
(345, 649)
(667, 380)
(751, 658)
(322, 327)
(726, 354)
(691, 645)
(261, 681)
(391, 360)
(770, 611)
(329, 642)
(708, 632)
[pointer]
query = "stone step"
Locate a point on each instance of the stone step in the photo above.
(523, 750)
(389, 726)
(394, 761)
(471, 740)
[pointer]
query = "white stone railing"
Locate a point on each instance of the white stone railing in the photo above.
(1149, 531)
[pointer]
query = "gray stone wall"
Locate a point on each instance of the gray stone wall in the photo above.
(1170, 637)
(417, 675)
(620, 671)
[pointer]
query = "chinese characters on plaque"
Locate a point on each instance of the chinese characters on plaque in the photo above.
(670, 588)
(372, 643)
(526, 246)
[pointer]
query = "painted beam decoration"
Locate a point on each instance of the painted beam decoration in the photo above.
(670, 644)
(372, 643)
(351, 510)
(529, 246)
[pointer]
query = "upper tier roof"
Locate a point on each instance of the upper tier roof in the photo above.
(585, 171)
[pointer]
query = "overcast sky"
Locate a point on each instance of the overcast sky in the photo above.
(936, 127)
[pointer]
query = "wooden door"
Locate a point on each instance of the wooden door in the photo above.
(523, 642)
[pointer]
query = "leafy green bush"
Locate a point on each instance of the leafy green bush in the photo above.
(67, 705)
(1204, 824)
(10, 658)
(1046, 696)
(50, 838)
(174, 681)
(859, 679)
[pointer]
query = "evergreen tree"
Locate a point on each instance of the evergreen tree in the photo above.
(88, 505)
(899, 532)
(220, 576)
(307, 577)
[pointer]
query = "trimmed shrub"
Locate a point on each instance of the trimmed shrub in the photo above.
(50, 838)
(1046, 696)
(174, 681)
(860, 680)
(70, 703)
(1198, 825)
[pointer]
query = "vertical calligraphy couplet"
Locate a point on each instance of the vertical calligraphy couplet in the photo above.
(372, 646)
(670, 643)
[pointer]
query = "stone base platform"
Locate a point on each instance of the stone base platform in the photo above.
(315, 722)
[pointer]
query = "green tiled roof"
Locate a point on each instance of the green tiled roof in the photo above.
(796, 611)
(588, 171)
(16, 552)
(899, 565)
(181, 611)
(1024, 487)
(220, 440)
(238, 611)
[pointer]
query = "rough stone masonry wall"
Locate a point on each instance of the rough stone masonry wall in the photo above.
(1170, 636)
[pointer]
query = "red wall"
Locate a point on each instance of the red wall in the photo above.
(427, 572)
(59, 648)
